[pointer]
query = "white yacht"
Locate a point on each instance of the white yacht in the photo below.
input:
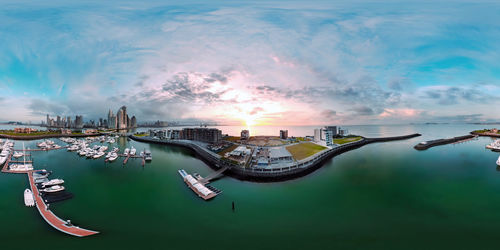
(53, 189)
(103, 148)
(17, 154)
(52, 182)
(127, 150)
(498, 161)
(147, 155)
(132, 151)
(29, 200)
(98, 154)
(20, 167)
(113, 157)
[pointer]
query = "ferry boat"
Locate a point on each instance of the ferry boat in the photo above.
(53, 189)
(52, 182)
(29, 200)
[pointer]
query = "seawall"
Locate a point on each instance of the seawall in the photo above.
(433, 143)
(272, 175)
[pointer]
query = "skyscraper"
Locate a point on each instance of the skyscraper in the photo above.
(121, 117)
(48, 120)
(133, 122)
(79, 122)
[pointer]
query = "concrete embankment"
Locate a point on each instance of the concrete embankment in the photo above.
(433, 143)
(296, 170)
(38, 137)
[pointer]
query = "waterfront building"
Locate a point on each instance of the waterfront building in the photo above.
(48, 120)
(58, 123)
(245, 134)
(330, 133)
(317, 135)
(283, 134)
(209, 135)
(343, 131)
(68, 122)
(121, 118)
(279, 155)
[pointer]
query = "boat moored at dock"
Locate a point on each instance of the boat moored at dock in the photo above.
(52, 182)
(52, 189)
(29, 201)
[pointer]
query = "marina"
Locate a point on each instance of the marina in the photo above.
(199, 187)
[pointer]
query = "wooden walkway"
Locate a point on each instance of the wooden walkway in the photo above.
(213, 175)
(51, 218)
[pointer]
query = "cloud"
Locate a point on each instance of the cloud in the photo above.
(363, 110)
(448, 95)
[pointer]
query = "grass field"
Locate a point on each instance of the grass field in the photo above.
(346, 140)
(303, 150)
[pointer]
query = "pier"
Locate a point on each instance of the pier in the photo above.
(429, 144)
(51, 218)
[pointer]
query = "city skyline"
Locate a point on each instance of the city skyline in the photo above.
(252, 63)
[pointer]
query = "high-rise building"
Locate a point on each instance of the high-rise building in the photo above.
(68, 121)
(317, 135)
(58, 123)
(122, 122)
(330, 133)
(48, 120)
(79, 122)
(128, 122)
(283, 134)
(133, 122)
(245, 134)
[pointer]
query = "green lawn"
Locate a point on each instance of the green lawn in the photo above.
(346, 140)
(303, 150)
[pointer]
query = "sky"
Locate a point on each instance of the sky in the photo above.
(253, 63)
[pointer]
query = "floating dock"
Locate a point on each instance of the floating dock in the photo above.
(429, 144)
(199, 188)
(51, 218)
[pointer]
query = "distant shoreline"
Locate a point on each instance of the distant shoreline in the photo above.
(38, 137)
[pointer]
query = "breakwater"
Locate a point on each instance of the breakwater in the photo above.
(295, 170)
(38, 137)
(433, 143)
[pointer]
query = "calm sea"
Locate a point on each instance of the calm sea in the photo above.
(380, 196)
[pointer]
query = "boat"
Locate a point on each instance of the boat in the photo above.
(52, 182)
(20, 167)
(98, 154)
(147, 155)
(113, 157)
(132, 151)
(29, 200)
(103, 148)
(498, 161)
(40, 174)
(17, 155)
(127, 150)
(53, 189)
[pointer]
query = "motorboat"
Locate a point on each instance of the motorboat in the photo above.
(40, 174)
(127, 150)
(53, 189)
(29, 200)
(132, 151)
(52, 182)
(498, 161)
(103, 148)
(113, 157)
(98, 154)
(147, 155)
(3, 159)
(17, 154)
(20, 167)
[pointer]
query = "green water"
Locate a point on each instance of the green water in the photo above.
(380, 196)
